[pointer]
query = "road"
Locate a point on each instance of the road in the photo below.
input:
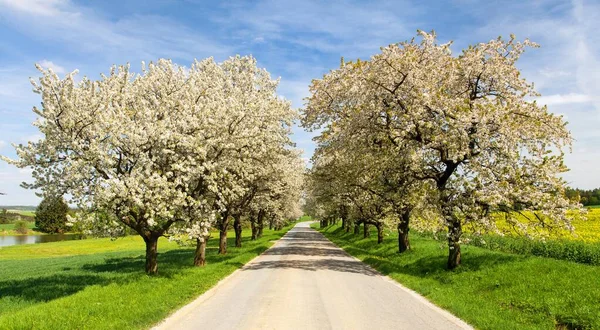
(306, 282)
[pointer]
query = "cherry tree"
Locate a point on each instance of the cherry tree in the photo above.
(466, 124)
(153, 148)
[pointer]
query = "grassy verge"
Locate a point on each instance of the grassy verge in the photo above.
(100, 284)
(491, 290)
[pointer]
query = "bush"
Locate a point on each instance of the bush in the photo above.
(51, 215)
(21, 227)
(4, 217)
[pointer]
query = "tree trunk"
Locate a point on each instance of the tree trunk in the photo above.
(356, 228)
(261, 224)
(403, 228)
(454, 233)
(151, 255)
(224, 224)
(237, 226)
(254, 229)
(379, 233)
(343, 223)
(366, 230)
(200, 255)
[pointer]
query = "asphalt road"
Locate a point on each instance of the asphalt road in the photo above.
(306, 282)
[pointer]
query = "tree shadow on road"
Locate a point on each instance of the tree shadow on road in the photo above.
(345, 266)
(303, 250)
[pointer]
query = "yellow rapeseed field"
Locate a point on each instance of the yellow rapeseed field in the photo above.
(587, 230)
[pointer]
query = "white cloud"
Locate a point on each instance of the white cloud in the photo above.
(2, 144)
(145, 37)
(337, 27)
(550, 73)
(51, 65)
(563, 99)
(36, 7)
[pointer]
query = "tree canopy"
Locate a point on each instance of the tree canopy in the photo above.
(171, 145)
(457, 131)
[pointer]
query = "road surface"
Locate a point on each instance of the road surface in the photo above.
(306, 282)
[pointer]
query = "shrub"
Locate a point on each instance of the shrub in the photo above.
(21, 227)
(51, 215)
(4, 217)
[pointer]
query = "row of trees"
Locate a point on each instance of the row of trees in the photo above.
(173, 151)
(416, 136)
(586, 197)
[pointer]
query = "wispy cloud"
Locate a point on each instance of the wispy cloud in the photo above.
(37, 7)
(139, 36)
(350, 28)
(50, 65)
(564, 99)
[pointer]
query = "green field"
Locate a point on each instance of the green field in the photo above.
(7, 228)
(490, 290)
(22, 212)
(100, 283)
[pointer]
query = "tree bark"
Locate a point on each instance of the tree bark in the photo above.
(366, 230)
(200, 255)
(403, 228)
(224, 225)
(237, 226)
(254, 227)
(356, 227)
(379, 227)
(454, 233)
(151, 254)
(260, 223)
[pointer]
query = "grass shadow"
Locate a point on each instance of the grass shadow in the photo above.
(49, 287)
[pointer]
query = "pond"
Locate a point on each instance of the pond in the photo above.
(33, 239)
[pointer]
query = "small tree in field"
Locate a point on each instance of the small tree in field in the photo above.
(51, 215)
(4, 216)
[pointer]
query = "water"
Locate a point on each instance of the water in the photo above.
(33, 239)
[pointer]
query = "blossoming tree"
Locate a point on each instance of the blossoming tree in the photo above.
(154, 148)
(466, 124)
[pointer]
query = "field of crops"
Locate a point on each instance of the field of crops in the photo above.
(586, 228)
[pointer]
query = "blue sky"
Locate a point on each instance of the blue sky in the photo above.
(297, 41)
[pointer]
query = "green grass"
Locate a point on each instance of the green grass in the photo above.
(491, 289)
(100, 284)
(7, 228)
(10, 226)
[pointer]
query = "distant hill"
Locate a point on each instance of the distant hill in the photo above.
(18, 207)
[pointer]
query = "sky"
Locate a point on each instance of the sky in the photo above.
(297, 41)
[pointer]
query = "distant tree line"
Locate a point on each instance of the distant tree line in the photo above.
(585, 197)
